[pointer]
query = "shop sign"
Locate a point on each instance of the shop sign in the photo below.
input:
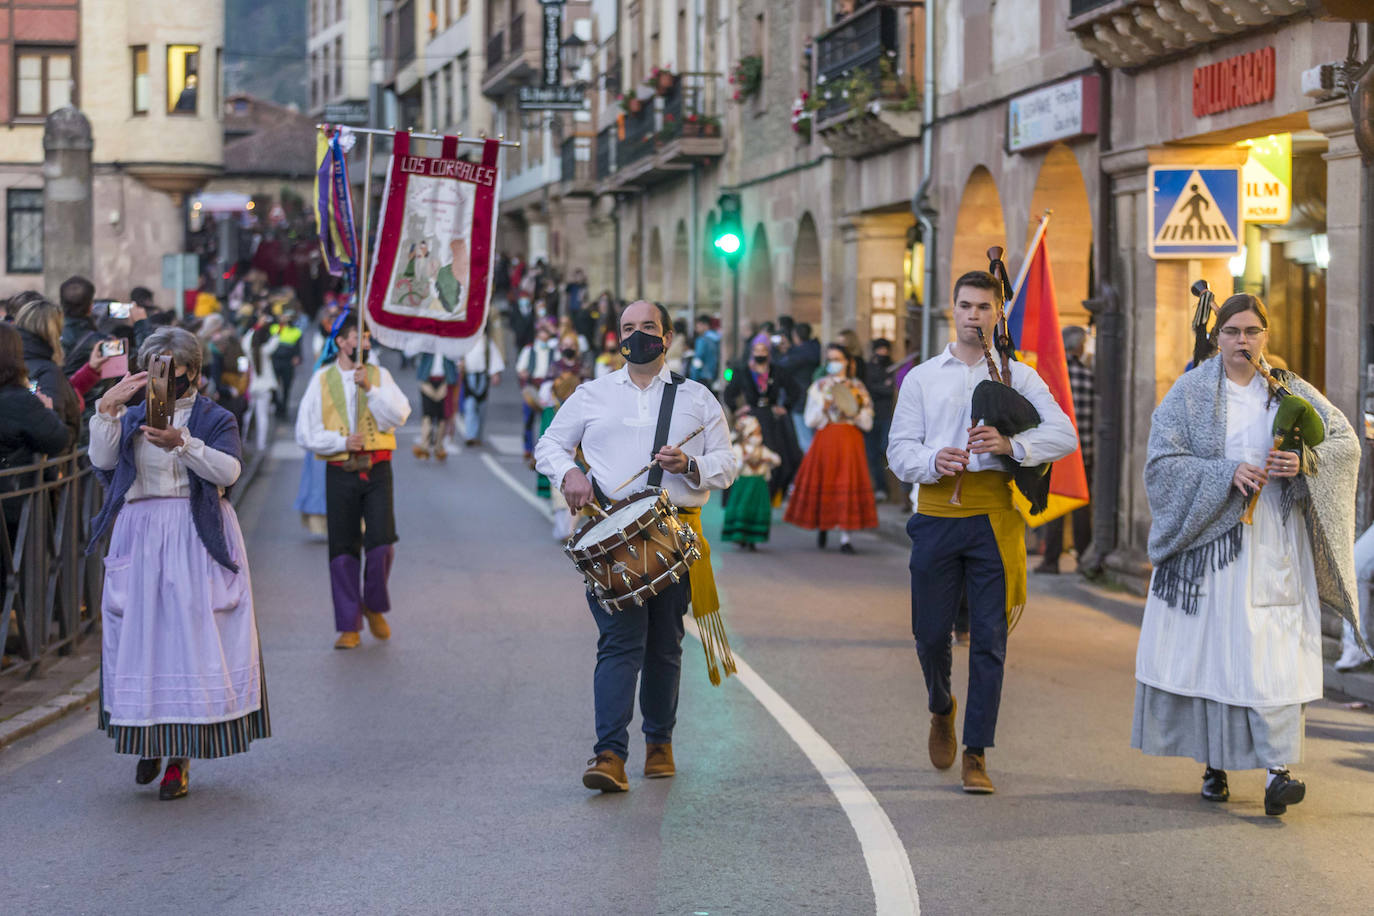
(553, 41)
(1063, 111)
(1268, 180)
(1195, 211)
(552, 98)
(1246, 79)
(353, 112)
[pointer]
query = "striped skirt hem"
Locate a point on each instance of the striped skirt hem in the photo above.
(190, 739)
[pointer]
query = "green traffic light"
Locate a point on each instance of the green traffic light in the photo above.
(728, 243)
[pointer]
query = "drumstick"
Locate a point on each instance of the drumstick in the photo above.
(650, 466)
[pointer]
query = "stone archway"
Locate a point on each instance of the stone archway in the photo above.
(1060, 187)
(979, 225)
(758, 280)
(676, 285)
(653, 268)
(806, 273)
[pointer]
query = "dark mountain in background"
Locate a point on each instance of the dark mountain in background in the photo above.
(265, 50)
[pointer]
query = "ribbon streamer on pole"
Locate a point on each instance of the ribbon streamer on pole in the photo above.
(334, 206)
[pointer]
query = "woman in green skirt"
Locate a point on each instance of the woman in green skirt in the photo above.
(749, 511)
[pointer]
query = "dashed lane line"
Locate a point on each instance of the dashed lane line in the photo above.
(885, 856)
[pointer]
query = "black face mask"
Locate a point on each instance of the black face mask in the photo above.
(569, 354)
(760, 360)
(180, 386)
(640, 348)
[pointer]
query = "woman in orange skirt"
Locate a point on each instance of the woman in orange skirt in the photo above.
(833, 487)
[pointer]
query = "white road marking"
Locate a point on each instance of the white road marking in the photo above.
(889, 867)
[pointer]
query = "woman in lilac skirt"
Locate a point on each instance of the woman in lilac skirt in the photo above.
(181, 666)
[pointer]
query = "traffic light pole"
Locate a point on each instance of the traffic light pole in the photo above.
(732, 338)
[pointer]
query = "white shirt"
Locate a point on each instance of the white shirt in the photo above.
(476, 358)
(933, 412)
(534, 360)
(614, 421)
(386, 401)
(162, 473)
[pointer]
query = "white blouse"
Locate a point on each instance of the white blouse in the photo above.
(162, 473)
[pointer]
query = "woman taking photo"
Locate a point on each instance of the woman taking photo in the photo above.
(833, 489)
(1230, 646)
(39, 323)
(181, 666)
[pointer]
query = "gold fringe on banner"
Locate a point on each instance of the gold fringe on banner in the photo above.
(706, 605)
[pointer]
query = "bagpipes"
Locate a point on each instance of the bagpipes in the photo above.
(1297, 425)
(997, 404)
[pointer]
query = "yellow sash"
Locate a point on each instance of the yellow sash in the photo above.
(987, 493)
(334, 413)
(706, 603)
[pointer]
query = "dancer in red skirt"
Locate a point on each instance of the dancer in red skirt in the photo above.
(833, 488)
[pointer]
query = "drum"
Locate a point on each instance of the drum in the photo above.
(531, 396)
(637, 550)
(846, 401)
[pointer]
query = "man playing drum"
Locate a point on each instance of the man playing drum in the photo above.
(619, 423)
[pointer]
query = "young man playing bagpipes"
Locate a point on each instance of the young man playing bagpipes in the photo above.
(960, 428)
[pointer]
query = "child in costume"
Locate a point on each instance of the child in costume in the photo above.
(749, 512)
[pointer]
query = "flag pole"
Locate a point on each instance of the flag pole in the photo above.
(363, 242)
(1030, 255)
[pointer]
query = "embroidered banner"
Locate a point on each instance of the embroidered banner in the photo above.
(428, 289)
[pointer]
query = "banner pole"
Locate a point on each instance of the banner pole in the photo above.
(363, 243)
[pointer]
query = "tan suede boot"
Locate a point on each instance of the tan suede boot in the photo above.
(976, 780)
(607, 773)
(944, 744)
(658, 761)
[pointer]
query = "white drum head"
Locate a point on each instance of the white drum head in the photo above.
(618, 521)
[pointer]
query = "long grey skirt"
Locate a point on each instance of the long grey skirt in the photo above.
(1216, 734)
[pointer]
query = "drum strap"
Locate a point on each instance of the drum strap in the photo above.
(665, 420)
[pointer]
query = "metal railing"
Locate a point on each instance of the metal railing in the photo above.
(51, 589)
(852, 50)
(517, 35)
(1079, 7)
(575, 167)
(605, 150)
(495, 48)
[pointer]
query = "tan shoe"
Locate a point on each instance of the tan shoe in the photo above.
(944, 744)
(607, 773)
(420, 452)
(348, 641)
(377, 625)
(658, 761)
(976, 780)
(441, 453)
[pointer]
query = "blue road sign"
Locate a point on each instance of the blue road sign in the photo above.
(1195, 212)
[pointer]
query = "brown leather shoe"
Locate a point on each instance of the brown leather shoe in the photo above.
(347, 640)
(607, 773)
(658, 761)
(976, 780)
(377, 625)
(944, 744)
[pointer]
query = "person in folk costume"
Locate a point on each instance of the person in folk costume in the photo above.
(1230, 647)
(833, 488)
(749, 511)
(565, 373)
(437, 375)
(976, 549)
(768, 394)
(531, 368)
(482, 368)
(619, 421)
(609, 359)
(310, 502)
(181, 665)
(348, 418)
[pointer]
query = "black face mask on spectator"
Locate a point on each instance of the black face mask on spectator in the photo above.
(181, 386)
(760, 360)
(569, 353)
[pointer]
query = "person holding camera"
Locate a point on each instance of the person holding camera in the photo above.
(40, 329)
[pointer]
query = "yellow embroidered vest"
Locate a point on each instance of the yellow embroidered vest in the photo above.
(335, 413)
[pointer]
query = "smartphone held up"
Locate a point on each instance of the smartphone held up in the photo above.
(117, 358)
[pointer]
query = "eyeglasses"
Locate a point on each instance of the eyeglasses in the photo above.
(1233, 333)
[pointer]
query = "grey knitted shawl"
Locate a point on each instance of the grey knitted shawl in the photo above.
(1196, 511)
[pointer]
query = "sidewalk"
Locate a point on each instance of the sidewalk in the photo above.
(68, 683)
(1122, 605)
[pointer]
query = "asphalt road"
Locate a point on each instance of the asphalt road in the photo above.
(440, 773)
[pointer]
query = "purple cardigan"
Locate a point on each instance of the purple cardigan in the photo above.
(209, 423)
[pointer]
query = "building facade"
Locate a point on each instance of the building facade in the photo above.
(147, 75)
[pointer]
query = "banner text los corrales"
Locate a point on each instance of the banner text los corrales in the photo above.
(449, 168)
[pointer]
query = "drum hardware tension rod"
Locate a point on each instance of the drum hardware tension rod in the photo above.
(652, 464)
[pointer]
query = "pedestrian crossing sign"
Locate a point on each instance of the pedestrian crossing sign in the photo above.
(1195, 212)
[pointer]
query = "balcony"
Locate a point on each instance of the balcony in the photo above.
(605, 150)
(668, 135)
(576, 171)
(859, 104)
(1134, 33)
(516, 62)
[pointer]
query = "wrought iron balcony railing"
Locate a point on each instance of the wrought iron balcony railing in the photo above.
(496, 46)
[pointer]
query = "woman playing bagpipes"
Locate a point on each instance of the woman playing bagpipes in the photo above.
(1251, 476)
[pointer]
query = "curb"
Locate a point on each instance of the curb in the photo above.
(31, 720)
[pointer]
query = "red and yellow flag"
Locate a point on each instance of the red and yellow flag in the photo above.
(1034, 325)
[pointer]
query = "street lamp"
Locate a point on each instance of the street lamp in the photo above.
(574, 52)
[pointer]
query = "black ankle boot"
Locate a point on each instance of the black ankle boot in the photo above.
(1281, 792)
(820, 539)
(1214, 787)
(148, 768)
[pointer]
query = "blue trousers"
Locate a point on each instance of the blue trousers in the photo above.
(644, 639)
(950, 557)
(474, 413)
